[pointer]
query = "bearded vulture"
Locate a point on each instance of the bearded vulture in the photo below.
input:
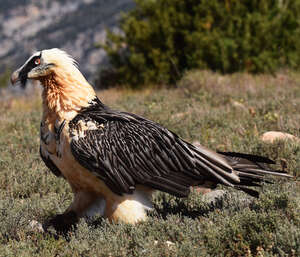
(115, 160)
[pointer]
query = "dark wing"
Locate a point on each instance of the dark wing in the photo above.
(124, 150)
(127, 150)
(50, 165)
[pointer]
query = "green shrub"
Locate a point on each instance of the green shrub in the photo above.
(164, 38)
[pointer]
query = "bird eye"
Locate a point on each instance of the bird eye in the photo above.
(37, 61)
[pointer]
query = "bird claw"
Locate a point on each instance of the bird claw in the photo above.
(62, 223)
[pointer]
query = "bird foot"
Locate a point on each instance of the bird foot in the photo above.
(62, 223)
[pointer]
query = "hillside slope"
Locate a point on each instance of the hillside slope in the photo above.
(73, 25)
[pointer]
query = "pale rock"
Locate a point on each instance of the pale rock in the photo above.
(168, 243)
(238, 105)
(201, 189)
(271, 136)
(197, 144)
(213, 196)
(179, 115)
(36, 226)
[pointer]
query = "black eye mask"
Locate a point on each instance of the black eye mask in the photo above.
(26, 69)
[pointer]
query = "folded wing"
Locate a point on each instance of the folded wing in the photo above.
(125, 150)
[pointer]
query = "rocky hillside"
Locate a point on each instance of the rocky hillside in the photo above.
(73, 25)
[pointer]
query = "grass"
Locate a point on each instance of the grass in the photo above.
(227, 113)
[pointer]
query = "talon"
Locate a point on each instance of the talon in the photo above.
(62, 222)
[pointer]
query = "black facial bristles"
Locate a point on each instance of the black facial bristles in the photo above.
(23, 80)
(23, 75)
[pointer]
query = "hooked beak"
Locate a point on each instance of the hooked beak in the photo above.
(14, 78)
(24, 73)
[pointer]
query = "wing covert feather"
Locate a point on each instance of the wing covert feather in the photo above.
(124, 153)
(125, 150)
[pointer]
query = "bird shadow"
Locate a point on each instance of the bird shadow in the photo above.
(183, 208)
(165, 205)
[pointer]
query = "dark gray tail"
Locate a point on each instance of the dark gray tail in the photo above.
(251, 170)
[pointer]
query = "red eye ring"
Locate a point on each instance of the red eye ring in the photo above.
(37, 61)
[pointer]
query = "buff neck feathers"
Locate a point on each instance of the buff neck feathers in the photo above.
(65, 90)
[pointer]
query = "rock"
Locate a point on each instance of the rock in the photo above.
(213, 196)
(36, 226)
(238, 105)
(179, 115)
(271, 136)
(197, 144)
(201, 189)
(168, 243)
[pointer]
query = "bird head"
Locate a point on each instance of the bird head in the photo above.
(65, 88)
(43, 64)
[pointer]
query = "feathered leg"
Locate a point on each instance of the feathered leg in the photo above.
(130, 208)
(85, 204)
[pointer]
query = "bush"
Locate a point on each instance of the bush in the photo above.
(163, 38)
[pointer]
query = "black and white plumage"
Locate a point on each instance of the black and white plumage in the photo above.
(114, 160)
(124, 150)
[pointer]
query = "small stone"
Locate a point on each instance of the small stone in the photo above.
(179, 115)
(272, 136)
(170, 244)
(36, 226)
(213, 196)
(201, 189)
(238, 105)
(197, 144)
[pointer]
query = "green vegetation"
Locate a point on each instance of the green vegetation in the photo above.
(164, 38)
(4, 78)
(228, 113)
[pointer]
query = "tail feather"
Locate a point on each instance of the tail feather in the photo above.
(250, 175)
(247, 157)
(251, 169)
(248, 191)
(198, 165)
(269, 172)
(252, 164)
